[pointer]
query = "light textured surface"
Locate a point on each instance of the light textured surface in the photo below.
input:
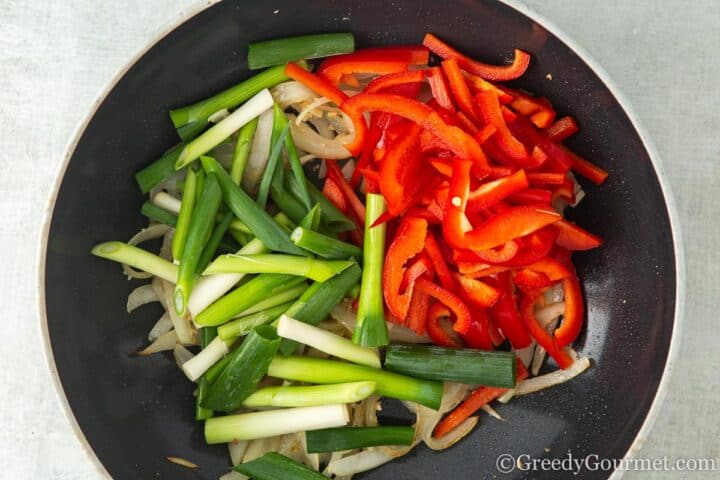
(56, 56)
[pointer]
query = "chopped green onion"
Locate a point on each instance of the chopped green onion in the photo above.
(282, 50)
(247, 366)
(207, 335)
(297, 169)
(207, 358)
(249, 426)
(137, 258)
(332, 219)
(371, 329)
(311, 221)
(267, 230)
(274, 166)
(318, 270)
(199, 230)
(200, 185)
(222, 130)
(274, 466)
(350, 438)
(244, 297)
(308, 396)
(475, 367)
(317, 301)
(285, 296)
(388, 384)
(327, 342)
(186, 209)
(323, 245)
(159, 170)
(153, 212)
(242, 150)
(211, 246)
(287, 202)
(243, 325)
(191, 120)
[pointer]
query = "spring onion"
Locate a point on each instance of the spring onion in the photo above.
(283, 50)
(192, 119)
(323, 245)
(137, 258)
(318, 300)
(287, 202)
(321, 371)
(207, 335)
(244, 297)
(242, 150)
(308, 396)
(185, 214)
(274, 166)
(153, 212)
(220, 132)
(159, 170)
(371, 329)
(248, 426)
(333, 220)
(289, 295)
(312, 268)
(243, 325)
(475, 367)
(311, 221)
(273, 466)
(213, 243)
(246, 367)
(267, 230)
(297, 169)
(350, 438)
(327, 342)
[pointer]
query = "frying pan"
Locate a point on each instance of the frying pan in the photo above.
(133, 412)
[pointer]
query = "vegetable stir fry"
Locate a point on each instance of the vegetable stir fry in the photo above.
(433, 265)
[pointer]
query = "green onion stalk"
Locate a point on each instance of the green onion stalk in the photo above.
(153, 174)
(311, 221)
(312, 268)
(207, 335)
(242, 150)
(284, 50)
(137, 258)
(186, 210)
(274, 466)
(308, 396)
(274, 166)
(323, 245)
(243, 325)
(351, 438)
(158, 214)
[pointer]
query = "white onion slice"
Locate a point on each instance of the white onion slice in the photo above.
(237, 451)
(166, 201)
(163, 343)
(259, 152)
(318, 102)
(185, 331)
(150, 233)
(142, 295)
(310, 141)
(233, 475)
(289, 93)
(492, 412)
(161, 327)
(453, 436)
(551, 379)
(549, 313)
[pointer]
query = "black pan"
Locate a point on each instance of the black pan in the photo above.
(136, 411)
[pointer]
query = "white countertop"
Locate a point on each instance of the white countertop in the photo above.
(56, 56)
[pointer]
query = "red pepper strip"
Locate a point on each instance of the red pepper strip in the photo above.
(479, 335)
(488, 194)
(514, 222)
(496, 336)
(480, 270)
(485, 133)
(419, 267)
(394, 79)
(586, 168)
(527, 133)
(565, 191)
(572, 237)
(408, 241)
(332, 192)
(534, 247)
(455, 139)
(538, 332)
(354, 203)
(372, 179)
(506, 253)
(467, 124)
(463, 318)
(506, 315)
(381, 61)
(561, 129)
(543, 118)
(479, 397)
(438, 327)
(531, 196)
(350, 80)
(571, 325)
(489, 72)
(439, 87)
(442, 167)
(552, 178)
(401, 171)
(478, 293)
(459, 88)
(438, 262)
(418, 311)
(478, 84)
(379, 121)
(489, 110)
(541, 274)
(315, 83)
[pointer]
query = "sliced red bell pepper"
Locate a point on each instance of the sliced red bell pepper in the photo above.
(419, 266)
(489, 193)
(538, 332)
(541, 274)
(546, 178)
(463, 317)
(484, 134)
(372, 179)
(418, 311)
(402, 170)
(455, 139)
(315, 83)
(479, 397)
(505, 312)
(565, 191)
(380, 61)
(332, 192)
(408, 241)
(441, 165)
(350, 80)
(439, 327)
(525, 131)
(585, 168)
(478, 84)
(438, 262)
(439, 87)
(514, 222)
(543, 118)
(479, 336)
(531, 196)
(572, 321)
(562, 128)
(395, 79)
(505, 253)
(354, 204)
(467, 124)
(488, 108)
(459, 88)
(572, 237)
(476, 292)
(489, 72)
